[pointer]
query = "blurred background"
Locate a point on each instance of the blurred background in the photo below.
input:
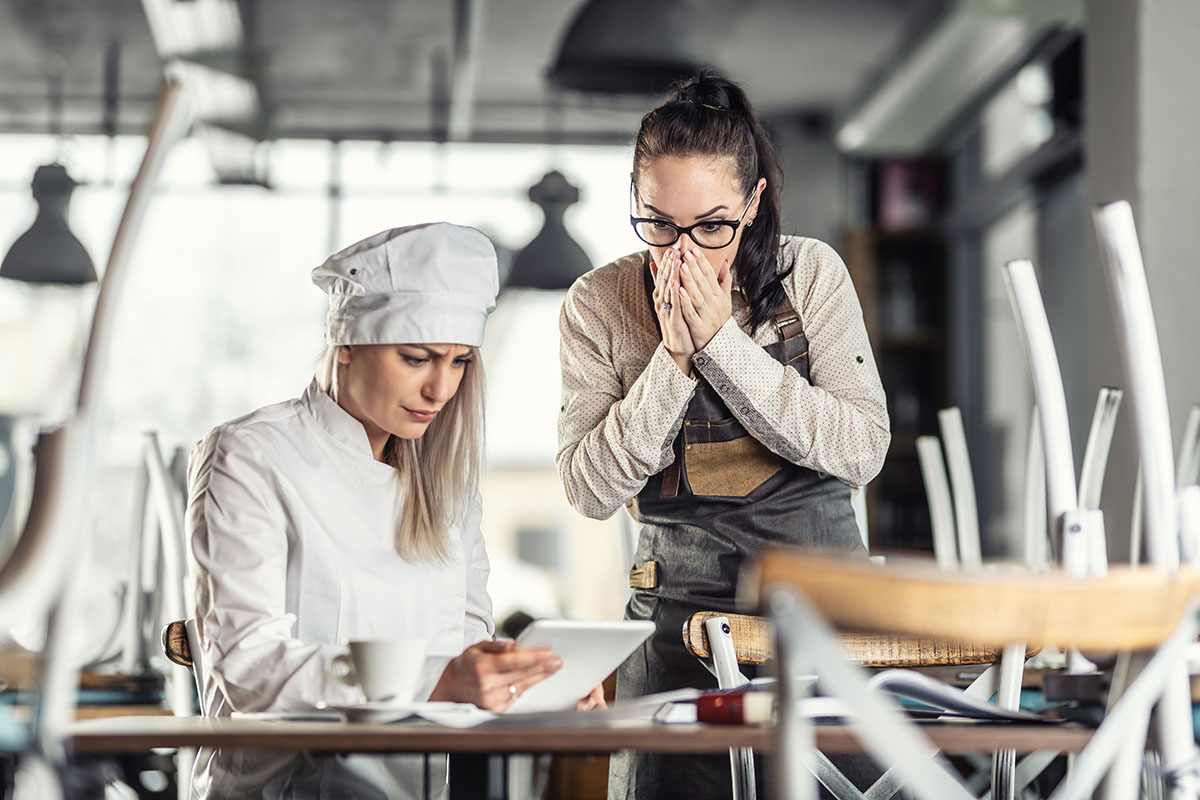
(927, 140)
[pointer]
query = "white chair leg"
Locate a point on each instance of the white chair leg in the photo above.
(1144, 692)
(1135, 522)
(879, 725)
(1141, 360)
(1099, 442)
(1004, 762)
(1061, 491)
(725, 666)
(941, 508)
(1187, 469)
(795, 756)
(962, 484)
(1188, 501)
(1037, 552)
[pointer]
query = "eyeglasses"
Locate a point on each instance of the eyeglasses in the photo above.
(711, 234)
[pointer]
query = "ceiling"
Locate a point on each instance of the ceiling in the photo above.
(390, 69)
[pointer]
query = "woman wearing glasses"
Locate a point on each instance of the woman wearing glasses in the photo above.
(720, 384)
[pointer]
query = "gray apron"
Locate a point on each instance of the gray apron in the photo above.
(723, 501)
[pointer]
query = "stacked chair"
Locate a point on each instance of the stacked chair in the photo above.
(40, 577)
(1148, 614)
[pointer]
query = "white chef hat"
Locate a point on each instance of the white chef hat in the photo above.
(435, 282)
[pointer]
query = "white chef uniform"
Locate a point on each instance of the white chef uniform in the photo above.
(291, 527)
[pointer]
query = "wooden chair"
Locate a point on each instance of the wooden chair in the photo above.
(1146, 609)
(726, 641)
(1152, 611)
(40, 574)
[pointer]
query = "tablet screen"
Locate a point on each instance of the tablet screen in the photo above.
(589, 650)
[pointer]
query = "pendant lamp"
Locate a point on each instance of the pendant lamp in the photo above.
(47, 291)
(48, 252)
(632, 47)
(553, 260)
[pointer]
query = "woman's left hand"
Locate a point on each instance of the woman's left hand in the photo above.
(705, 295)
(595, 699)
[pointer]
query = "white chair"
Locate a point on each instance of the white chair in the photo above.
(37, 579)
(1141, 362)
(1052, 607)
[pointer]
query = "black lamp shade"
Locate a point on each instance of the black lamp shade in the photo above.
(553, 260)
(48, 252)
(633, 47)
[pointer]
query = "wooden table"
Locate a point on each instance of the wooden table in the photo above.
(139, 734)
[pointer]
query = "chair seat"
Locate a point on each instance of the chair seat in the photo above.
(1131, 608)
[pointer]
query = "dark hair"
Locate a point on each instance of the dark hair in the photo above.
(708, 115)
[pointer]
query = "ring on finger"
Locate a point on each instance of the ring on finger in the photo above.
(512, 691)
(702, 306)
(666, 306)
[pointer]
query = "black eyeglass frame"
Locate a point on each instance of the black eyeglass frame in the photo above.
(680, 231)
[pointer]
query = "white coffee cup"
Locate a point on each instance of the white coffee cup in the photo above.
(386, 669)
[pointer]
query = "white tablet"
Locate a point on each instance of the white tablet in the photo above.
(590, 651)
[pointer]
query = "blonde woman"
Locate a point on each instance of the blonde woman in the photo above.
(352, 512)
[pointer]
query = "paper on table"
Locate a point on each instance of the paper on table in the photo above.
(922, 689)
(452, 715)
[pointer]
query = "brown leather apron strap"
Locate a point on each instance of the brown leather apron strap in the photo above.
(788, 321)
(670, 475)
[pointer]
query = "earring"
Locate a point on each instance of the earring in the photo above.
(749, 222)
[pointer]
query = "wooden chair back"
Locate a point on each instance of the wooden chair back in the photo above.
(175, 643)
(752, 644)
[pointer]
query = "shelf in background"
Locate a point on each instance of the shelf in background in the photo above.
(916, 340)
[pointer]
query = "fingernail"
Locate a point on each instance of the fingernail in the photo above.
(684, 268)
(556, 663)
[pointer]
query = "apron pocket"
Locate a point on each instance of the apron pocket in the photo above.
(729, 469)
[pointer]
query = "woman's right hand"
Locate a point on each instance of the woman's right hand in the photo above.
(677, 338)
(483, 673)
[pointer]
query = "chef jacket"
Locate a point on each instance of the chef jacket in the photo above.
(291, 526)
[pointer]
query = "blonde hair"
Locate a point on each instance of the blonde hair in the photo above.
(440, 471)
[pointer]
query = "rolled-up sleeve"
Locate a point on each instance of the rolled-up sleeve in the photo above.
(610, 441)
(237, 546)
(835, 422)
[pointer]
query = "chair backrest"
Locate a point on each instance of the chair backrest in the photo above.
(175, 644)
(181, 646)
(752, 644)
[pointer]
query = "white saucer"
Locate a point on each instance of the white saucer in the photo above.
(387, 710)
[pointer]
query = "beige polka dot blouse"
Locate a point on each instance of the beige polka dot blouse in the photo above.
(624, 398)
